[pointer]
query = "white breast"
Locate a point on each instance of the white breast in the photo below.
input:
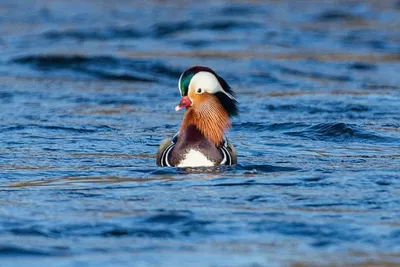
(195, 158)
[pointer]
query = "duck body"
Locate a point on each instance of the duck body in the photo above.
(192, 149)
(200, 141)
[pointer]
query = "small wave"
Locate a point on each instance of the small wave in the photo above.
(163, 172)
(226, 25)
(315, 75)
(325, 129)
(9, 250)
(104, 229)
(34, 230)
(183, 220)
(151, 233)
(256, 126)
(196, 43)
(377, 42)
(159, 225)
(126, 32)
(265, 78)
(84, 129)
(294, 108)
(102, 67)
(6, 96)
(375, 86)
(335, 130)
(165, 29)
(259, 126)
(337, 15)
(253, 183)
(241, 10)
(326, 232)
(329, 107)
(362, 66)
(264, 168)
(355, 108)
(169, 218)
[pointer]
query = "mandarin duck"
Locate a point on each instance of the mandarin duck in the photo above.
(200, 142)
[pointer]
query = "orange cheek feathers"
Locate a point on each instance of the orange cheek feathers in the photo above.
(209, 117)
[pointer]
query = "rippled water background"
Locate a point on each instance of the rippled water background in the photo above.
(88, 90)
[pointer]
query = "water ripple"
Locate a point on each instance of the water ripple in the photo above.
(324, 131)
(125, 32)
(13, 251)
(103, 67)
(83, 129)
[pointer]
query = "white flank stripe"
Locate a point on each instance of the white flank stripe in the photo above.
(194, 158)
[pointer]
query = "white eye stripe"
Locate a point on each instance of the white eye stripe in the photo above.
(205, 81)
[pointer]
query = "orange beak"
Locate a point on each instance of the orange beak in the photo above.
(185, 102)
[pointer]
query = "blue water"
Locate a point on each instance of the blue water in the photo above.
(87, 93)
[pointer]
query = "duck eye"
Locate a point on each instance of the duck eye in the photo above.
(199, 90)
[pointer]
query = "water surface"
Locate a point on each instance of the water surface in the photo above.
(87, 93)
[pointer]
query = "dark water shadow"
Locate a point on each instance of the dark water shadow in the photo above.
(100, 67)
(339, 131)
(19, 251)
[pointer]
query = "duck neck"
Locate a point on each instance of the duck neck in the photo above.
(210, 121)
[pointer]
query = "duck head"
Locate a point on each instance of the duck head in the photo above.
(209, 102)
